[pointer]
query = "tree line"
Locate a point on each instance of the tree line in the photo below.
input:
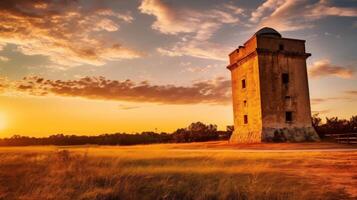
(195, 132)
(334, 125)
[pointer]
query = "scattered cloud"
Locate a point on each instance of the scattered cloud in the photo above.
(174, 20)
(324, 68)
(321, 111)
(69, 33)
(324, 8)
(333, 35)
(351, 92)
(168, 20)
(171, 53)
(4, 84)
(196, 49)
(4, 59)
(289, 15)
(198, 69)
(264, 9)
(316, 101)
(2, 45)
(127, 107)
(196, 26)
(233, 8)
(216, 91)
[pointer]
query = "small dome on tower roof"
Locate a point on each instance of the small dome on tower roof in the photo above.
(268, 31)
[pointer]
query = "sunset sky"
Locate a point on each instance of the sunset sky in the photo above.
(103, 66)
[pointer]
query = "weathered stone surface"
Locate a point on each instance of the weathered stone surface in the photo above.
(296, 134)
(266, 99)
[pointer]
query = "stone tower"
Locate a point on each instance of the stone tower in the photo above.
(270, 90)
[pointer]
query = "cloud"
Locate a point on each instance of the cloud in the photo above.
(106, 24)
(168, 20)
(323, 8)
(197, 49)
(351, 92)
(235, 9)
(198, 69)
(110, 13)
(68, 33)
(288, 15)
(316, 101)
(127, 107)
(196, 27)
(4, 84)
(321, 111)
(264, 8)
(324, 68)
(2, 45)
(4, 59)
(216, 91)
(171, 53)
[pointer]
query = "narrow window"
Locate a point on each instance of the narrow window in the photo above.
(245, 103)
(285, 78)
(281, 47)
(243, 83)
(288, 116)
(245, 119)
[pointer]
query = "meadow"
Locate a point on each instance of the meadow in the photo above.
(213, 170)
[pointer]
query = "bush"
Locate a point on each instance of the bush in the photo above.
(334, 125)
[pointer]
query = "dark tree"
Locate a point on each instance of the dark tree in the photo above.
(195, 132)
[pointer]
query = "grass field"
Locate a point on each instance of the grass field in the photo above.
(212, 170)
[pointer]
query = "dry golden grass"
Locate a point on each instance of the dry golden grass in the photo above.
(174, 171)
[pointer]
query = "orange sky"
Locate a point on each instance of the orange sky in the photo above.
(39, 116)
(42, 116)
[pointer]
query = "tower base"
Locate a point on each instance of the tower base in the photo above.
(294, 134)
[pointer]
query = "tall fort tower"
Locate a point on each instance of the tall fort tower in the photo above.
(270, 90)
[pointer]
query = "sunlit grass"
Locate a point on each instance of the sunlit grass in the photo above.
(167, 172)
